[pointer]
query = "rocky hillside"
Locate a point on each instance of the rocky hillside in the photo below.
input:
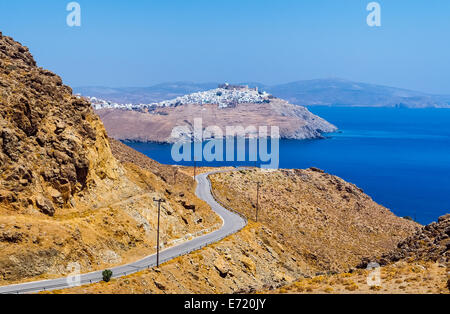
(64, 197)
(419, 265)
(330, 222)
(52, 144)
(399, 278)
(312, 226)
(246, 262)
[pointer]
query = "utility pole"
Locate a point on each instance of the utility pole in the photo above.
(157, 237)
(175, 172)
(195, 169)
(257, 199)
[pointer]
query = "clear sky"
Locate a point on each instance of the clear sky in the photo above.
(140, 43)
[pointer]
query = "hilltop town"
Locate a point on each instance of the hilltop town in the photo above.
(224, 96)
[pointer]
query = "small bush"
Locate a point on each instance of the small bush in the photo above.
(352, 286)
(107, 274)
(318, 279)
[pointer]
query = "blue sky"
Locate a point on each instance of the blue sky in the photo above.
(140, 43)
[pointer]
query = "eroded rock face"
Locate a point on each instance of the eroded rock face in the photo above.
(52, 145)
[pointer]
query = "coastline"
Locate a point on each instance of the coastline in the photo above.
(414, 144)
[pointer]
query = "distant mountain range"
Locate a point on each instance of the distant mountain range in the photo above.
(145, 95)
(322, 92)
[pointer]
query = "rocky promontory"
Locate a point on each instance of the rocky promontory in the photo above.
(226, 106)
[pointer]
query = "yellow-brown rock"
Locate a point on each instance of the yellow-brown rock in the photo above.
(52, 145)
(64, 197)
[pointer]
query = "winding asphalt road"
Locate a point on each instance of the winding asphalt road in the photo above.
(232, 223)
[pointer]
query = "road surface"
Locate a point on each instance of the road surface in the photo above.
(232, 223)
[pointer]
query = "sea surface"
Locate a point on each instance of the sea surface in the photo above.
(400, 157)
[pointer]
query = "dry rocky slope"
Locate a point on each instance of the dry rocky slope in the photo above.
(241, 107)
(249, 261)
(64, 197)
(431, 244)
(330, 222)
(70, 194)
(419, 264)
(399, 278)
(310, 224)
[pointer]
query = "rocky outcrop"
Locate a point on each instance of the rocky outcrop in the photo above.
(429, 244)
(52, 145)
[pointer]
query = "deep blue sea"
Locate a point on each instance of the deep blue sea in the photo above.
(400, 157)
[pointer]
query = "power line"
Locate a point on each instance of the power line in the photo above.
(175, 172)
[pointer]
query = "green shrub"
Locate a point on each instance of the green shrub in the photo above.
(107, 274)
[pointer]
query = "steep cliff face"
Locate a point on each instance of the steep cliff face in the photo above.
(52, 145)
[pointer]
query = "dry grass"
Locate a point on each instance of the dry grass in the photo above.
(399, 278)
(330, 222)
(249, 261)
(106, 228)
